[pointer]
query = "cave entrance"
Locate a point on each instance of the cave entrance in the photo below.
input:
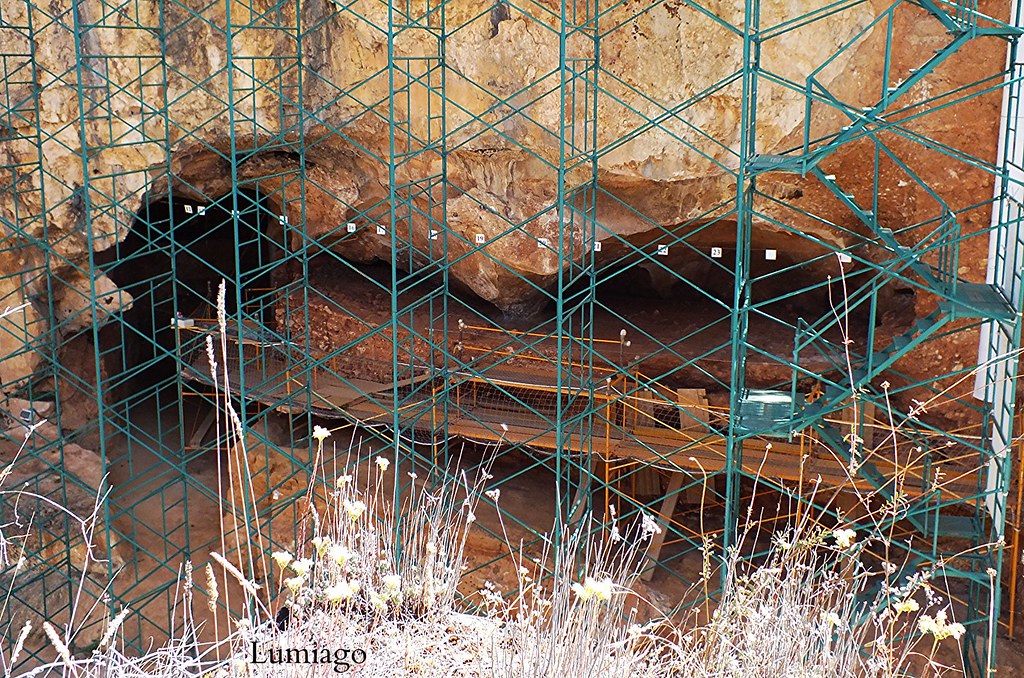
(162, 467)
(675, 303)
(173, 261)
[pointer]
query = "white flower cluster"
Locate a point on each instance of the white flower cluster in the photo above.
(591, 588)
(648, 525)
(302, 567)
(355, 509)
(392, 583)
(389, 593)
(320, 433)
(339, 554)
(938, 626)
(282, 558)
(845, 538)
(341, 591)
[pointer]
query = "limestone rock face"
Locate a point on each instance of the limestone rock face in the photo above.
(521, 128)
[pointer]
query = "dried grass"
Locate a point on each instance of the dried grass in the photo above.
(380, 584)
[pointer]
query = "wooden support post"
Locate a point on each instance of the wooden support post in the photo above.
(694, 495)
(668, 508)
(608, 429)
(868, 430)
(200, 431)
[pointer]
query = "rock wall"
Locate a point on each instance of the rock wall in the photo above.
(157, 114)
(50, 489)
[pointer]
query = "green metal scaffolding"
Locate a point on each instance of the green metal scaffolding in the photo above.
(559, 392)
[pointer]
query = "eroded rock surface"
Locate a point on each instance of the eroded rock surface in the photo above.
(51, 526)
(514, 116)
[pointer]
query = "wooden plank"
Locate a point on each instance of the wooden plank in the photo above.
(668, 509)
(698, 450)
(204, 427)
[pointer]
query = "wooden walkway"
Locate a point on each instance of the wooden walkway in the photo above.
(518, 407)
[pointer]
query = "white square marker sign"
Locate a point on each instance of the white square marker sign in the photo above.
(479, 239)
(350, 227)
(771, 255)
(716, 252)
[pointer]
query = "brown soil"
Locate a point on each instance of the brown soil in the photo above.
(660, 336)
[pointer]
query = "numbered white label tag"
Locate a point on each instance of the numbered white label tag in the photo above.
(662, 250)
(350, 227)
(542, 243)
(433, 234)
(479, 239)
(597, 245)
(716, 252)
(188, 209)
(381, 230)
